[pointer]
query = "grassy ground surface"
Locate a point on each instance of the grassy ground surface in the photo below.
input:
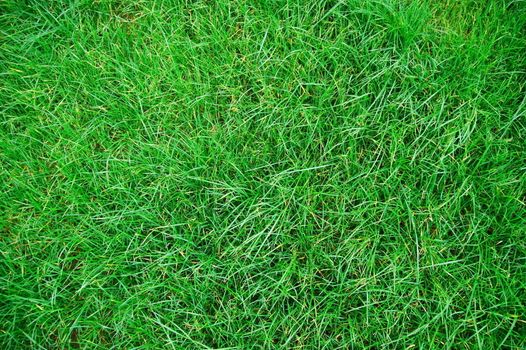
(262, 174)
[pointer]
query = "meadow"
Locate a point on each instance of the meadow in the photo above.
(267, 174)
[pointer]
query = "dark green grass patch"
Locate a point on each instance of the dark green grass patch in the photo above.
(262, 174)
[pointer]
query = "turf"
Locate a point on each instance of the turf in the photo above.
(262, 174)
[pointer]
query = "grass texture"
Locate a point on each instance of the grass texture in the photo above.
(267, 174)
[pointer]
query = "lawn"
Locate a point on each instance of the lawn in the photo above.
(266, 174)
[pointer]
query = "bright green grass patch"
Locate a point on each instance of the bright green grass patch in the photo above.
(262, 174)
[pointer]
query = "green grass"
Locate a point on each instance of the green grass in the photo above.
(262, 174)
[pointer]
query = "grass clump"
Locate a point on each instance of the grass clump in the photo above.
(266, 174)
